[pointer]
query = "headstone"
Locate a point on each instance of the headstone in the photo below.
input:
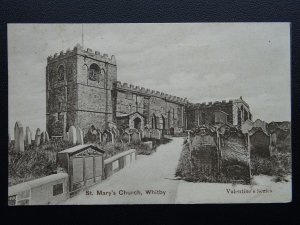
(126, 137)
(28, 136)
(100, 137)
(42, 138)
(19, 137)
(38, 137)
(135, 137)
(46, 136)
(66, 136)
(79, 135)
(149, 144)
(72, 135)
(112, 137)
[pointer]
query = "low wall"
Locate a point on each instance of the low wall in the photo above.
(118, 162)
(43, 191)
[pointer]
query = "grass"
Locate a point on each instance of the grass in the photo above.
(34, 162)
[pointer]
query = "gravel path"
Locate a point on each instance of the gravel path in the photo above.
(154, 173)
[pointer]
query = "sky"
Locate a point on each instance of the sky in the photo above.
(200, 61)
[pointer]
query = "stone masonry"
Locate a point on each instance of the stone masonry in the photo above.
(82, 90)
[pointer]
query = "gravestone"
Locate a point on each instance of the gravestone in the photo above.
(126, 137)
(135, 137)
(72, 135)
(19, 137)
(38, 137)
(28, 136)
(112, 137)
(79, 135)
(46, 136)
(42, 138)
(66, 136)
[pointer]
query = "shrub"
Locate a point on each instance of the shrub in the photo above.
(278, 165)
(231, 170)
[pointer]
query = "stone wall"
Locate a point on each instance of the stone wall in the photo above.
(237, 111)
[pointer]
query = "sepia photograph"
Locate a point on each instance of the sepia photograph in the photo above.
(149, 113)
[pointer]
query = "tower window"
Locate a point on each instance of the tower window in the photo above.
(61, 73)
(94, 72)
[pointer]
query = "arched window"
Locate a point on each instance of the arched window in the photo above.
(94, 72)
(61, 73)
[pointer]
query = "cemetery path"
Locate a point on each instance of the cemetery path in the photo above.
(150, 180)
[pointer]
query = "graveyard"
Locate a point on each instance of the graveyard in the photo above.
(31, 158)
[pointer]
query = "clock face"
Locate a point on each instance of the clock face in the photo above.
(61, 72)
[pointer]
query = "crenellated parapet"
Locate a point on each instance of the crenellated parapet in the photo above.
(211, 104)
(143, 91)
(79, 50)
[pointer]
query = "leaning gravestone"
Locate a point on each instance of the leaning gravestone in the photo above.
(38, 137)
(79, 135)
(72, 135)
(19, 137)
(28, 136)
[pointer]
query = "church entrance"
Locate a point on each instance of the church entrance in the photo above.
(137, 123)
(171, 131)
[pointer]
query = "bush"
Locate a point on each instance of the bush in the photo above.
(278, 165)
(231, 170)
(34, 162)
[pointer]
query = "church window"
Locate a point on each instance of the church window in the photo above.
(94, 72)
(61, 73)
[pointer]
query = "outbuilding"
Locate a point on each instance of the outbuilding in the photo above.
(84, 164)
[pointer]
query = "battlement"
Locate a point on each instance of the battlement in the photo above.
(144, 91)
(210, 104)
(78, 50)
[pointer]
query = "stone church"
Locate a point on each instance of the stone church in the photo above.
(82, 89)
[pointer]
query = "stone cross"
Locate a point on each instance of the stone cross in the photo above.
(38, 137)
(19, 137)
(72, 135)
(79, 135)
(28, 136)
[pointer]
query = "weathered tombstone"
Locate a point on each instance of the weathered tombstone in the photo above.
(28, 136)
(126, 137)
(104, 137)
(38, 137)
(79, 135)
(42, 138)
(19, 137)
(66, 136)
(112, 137)
(72, 135)
(46, 136)
(135, 137)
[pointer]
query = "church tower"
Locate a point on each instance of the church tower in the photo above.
(79, 86)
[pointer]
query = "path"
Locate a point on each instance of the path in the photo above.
(154, 173)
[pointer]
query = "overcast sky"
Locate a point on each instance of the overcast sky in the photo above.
(200, 61)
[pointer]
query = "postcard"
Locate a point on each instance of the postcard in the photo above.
(160, 113)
